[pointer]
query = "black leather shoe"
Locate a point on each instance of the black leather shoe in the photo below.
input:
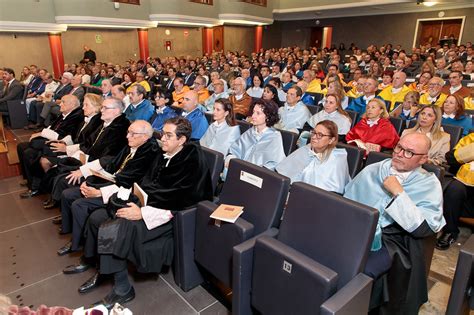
(46, 201)
(445, 240)
(24, 183)
(51, 205)
(29, 194)
(61, 232)
(112, 298)
(78, 268)
(66, 249)
(57, 220)
(91, 284)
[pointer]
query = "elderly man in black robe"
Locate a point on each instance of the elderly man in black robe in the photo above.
(29, 153)
(178, 178)
(108, 142)
(127, 167)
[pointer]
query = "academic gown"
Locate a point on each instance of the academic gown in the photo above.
(126, 173)
(182, 183)
(220, 137)
(143, 111)
(293, 118)
(264, 150)
(198, 122)
(29, 153)
(359, 104)
(465, 122)
(108, 143)
(403, 224)
(383, 133)
(304, 165)
(159, 117)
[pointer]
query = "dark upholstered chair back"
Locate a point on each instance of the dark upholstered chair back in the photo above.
(355, 157)
(332, 230)
(459, 301)
(215, 162)
(263, 205)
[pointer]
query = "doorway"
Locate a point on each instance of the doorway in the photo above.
(433, 30)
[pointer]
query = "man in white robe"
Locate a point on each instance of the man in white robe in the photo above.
(410, 201)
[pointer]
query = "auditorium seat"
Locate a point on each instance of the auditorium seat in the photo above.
(244, 126)
(355, 158)
(461, 299)
(455, 132)
(353, 116)
(211, 246)
(304, 267)
(314, 109)
(184, 224)
(290, 140)
(17, 117)
(397, 124)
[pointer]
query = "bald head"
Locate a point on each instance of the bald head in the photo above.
(416, 143)
(190, 100)
(399, 79)
(143, 126)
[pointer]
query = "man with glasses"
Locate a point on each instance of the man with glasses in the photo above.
(294, 114)
(177, 178)
(179, 91)
(127, 167)
(434, 96)
(219, 92)
(195, 116)
(410, 204)
(455, 87)
(108, 141)
(140, 107)
(240, 100)
(200, 88)
(359, 104)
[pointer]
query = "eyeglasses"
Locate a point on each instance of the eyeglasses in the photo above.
(406, 153)
(133, 134)
(168, 135)
(318, 135)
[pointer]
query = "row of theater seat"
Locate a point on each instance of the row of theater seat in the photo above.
(306, 257)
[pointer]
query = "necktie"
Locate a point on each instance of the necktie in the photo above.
(128, 158)
(5, 91)
(98, 136)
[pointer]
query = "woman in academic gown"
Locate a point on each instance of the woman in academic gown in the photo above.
(262, 144)
(374, 131)
(224, 131)
(319, 163)
(453, 114)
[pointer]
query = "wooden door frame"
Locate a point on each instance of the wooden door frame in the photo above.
(418, 22)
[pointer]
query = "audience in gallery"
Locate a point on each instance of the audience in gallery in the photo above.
(271, 73)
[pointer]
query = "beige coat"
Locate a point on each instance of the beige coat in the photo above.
(439, 148)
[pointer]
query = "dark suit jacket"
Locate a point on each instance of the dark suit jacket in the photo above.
(189, 81)
(61, 91)
(79, 93)
(14, 92)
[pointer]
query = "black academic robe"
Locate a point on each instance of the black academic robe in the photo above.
(405, 285)
(29, 153)
(183, 183)
(106, 144)
(132, 171)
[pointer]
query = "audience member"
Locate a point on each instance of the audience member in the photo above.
(195, 116)
(140, 107)
(224, 131)
(409, 200)
(319, 163)
(240, 100)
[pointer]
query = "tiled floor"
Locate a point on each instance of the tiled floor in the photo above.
(31, 271)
